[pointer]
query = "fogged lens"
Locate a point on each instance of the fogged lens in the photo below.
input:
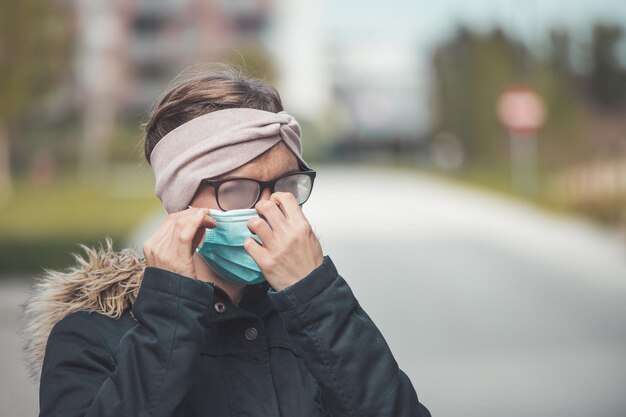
(237, 194)
(297, 184)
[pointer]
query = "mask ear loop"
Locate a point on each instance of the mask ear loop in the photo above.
(193, 207)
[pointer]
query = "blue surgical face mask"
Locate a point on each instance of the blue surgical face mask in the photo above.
(223, 250)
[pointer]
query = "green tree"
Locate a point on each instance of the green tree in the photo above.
(607, 77)
(564, 137)
(34, 50)
(253, 60)
(471, 71)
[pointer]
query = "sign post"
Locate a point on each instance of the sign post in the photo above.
(521, 110)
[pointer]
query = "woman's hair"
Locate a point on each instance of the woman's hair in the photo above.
(200, 90)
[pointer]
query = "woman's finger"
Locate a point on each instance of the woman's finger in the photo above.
(288, 205)
(171, 246)
(256, 251)
(188, 225)
(268, 210)
(190, 210)
(198, 239)
(163, 233)
(259, 227)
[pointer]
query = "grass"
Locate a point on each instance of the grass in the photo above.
(41, 224)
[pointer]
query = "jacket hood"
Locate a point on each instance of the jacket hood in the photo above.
(104, 281)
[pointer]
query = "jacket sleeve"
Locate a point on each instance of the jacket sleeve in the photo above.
(155, 358)
(343, 348)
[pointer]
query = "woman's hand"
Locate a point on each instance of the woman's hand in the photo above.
(172, 246)
(290, 249)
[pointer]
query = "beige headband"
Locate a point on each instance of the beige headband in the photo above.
(214, 144)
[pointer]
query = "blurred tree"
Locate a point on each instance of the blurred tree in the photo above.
(35, 37)
(563, 137)
(560, 52)
(607, 76)
(470, 72)
(253, 60)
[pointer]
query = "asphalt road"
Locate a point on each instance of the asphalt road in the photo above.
(493, 308)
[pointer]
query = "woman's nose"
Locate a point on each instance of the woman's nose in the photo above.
(265, 194)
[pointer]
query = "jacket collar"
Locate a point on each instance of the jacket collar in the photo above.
(104, 281)
(254, 301)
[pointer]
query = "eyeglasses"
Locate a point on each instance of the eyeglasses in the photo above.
(244, 193)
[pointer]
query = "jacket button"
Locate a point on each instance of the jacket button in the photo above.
(251, 333)
(220, 307)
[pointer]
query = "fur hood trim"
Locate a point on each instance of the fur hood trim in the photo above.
(105, 281)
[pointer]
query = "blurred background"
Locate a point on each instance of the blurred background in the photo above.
(475, 150)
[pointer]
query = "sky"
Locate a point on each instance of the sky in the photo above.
(423, 23)
(382, 49)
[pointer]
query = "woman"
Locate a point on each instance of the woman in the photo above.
(234, 311)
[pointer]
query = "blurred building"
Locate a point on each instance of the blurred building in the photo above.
(300, 51)
(366, 89)
(379, 91)
(377, 84)
(128, 50)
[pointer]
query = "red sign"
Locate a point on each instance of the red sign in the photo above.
(521, 109)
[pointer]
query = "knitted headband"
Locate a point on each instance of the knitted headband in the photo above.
(214, 144)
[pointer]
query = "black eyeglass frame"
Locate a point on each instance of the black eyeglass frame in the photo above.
(216, 184)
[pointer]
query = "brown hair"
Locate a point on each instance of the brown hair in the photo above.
(197, 91)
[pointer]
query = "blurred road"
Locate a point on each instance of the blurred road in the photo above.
(491, 307)
(18, 395)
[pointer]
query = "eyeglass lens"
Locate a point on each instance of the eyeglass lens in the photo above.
(241, 194)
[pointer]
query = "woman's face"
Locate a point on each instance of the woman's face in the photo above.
(278, 160)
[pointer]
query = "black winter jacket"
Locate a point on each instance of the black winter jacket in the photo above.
(183, 349)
